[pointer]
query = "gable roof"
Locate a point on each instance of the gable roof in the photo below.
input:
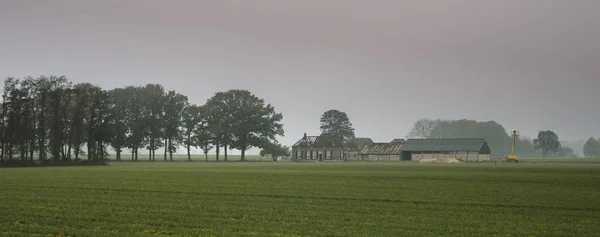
(323, 140)
(382, 149)
(305, 141)
(455, 144)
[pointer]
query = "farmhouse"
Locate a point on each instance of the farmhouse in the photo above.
(465, 149)
(322, 147)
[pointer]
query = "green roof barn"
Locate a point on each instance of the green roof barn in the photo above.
(465, 149)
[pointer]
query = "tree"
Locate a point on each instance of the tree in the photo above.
(118, 119)
(591, 148)
(564, 151)
(175, 105)
(337, 124)
(423, 128)
(547, 141)
(245, 120)
(206, 144)
(191, 120)
(153, 102)
(274, 150)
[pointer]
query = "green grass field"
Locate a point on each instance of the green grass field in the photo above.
(302, 199)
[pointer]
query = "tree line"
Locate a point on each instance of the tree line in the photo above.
(50, 119)
(545, 144)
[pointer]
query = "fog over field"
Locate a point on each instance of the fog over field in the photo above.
(528, 65)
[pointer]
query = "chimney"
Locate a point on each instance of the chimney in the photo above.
(304, 136)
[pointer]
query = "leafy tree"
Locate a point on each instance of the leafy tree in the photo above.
(191, 120)
(136, 124)
(547, 141)
(423, 128)
(215, 110)
(249, 122)
(337, 124)
(564, 151)
(175, 105)
(153, 102)
(274, 150)
(203, 138)
(118, 119)
(97, 135)
(591, 148)
(205, 143)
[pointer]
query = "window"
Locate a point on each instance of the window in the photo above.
(311, 154)
(328, 155)
(298, 154)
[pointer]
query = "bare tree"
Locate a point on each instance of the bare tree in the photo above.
(423, 128)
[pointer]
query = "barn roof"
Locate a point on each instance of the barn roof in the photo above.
(456, 144)
(357, 144)
(382, 149)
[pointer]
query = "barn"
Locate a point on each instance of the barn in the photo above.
(465, 149)
(382, 152)
(354, 146)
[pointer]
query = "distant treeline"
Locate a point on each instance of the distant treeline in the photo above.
(497, 136)
(49, 120)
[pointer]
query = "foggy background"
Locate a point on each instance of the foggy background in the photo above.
(528, 65)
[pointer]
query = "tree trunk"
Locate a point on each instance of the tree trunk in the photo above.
(101, 151)
(2, 144)
(41, 124)
(76, 152)
(89, 150)
(171, 149)
(165, 149)
(206, 157)
(189, 153)
(118, 153)
(32, 141)
(10, 152)
(69, 152)
(217, 147)
(137, 150)
(188, 146)
(225, 151)
(243, 155)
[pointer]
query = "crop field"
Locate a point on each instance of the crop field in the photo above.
(301, 199)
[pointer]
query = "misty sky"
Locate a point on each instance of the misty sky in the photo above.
(529, 65)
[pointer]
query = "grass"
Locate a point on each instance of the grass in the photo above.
(301, 199)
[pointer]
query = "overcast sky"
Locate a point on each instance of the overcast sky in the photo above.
(529, 65)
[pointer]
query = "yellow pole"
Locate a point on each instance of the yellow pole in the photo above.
(513, 144)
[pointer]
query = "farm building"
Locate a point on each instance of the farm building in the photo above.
(465, 149)
(322, 147)
(354, 146)
(325, 147)
(382, 151)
